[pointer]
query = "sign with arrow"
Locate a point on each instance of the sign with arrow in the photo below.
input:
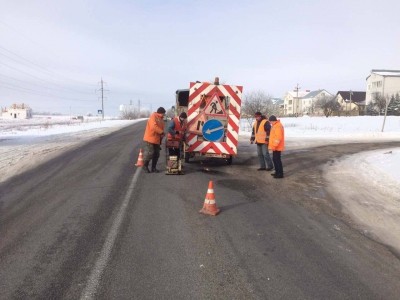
(213, 130)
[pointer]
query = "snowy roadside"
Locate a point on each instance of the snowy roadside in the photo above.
(25, 143)
(21, 150)
(368, 187)
(366, 184)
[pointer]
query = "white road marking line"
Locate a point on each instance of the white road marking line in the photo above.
(93, 282)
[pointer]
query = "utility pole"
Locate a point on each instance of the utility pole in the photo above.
(102, 97)
(351, 93)
(139, 107)
(387, 102)
(296, 88)
(102, 100)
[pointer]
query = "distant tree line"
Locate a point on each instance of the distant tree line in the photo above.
(132, 113)
(378, 105)
(258, 101)
(328, 105)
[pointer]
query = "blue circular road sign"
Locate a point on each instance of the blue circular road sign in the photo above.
(213, 130)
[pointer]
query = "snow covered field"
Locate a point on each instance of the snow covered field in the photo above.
(368, 184)
(26, 143)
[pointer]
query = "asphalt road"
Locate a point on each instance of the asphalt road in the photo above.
(88, 224)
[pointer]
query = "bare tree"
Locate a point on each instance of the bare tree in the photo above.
(328, 105)
(379, 101)
(131, 113)
(258, 101)
(144, 114)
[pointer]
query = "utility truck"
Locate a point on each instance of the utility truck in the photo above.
(213, 111)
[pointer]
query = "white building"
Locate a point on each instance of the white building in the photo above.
(351, 102)
(17, 111)
(382, 83)
(308, 101)
(292, 102)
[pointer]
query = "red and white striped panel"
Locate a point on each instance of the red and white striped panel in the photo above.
(195, 107)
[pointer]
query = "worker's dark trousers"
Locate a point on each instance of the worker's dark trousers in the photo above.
(152, 152)
(276, 158)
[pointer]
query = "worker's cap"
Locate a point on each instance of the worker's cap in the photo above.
(161, 110)
(183, 115)
(258, 114)
(272, 118)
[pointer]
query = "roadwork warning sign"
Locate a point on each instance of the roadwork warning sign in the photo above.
(215, 107)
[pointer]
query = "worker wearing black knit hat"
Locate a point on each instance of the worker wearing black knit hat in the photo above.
(161, 110)
(260, 136)
(153, 136)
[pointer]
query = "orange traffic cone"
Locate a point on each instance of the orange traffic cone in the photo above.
(210, 207)
(140, 159)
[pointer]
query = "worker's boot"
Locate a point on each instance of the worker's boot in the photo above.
(153, 165)
(146, 166)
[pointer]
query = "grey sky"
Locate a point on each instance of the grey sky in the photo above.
(54, 53)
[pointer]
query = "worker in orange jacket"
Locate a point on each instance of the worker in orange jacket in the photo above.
(277, 145)
(153, 136)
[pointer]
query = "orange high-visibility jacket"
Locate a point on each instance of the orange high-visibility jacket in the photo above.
(179, 130)
(277, 137)
(260, 134)
(154, 129)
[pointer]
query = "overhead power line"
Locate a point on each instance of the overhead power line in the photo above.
(38, 93)
(37, 67)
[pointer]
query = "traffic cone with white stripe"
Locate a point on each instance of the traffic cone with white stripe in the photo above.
(140, 159)
(210, 207)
